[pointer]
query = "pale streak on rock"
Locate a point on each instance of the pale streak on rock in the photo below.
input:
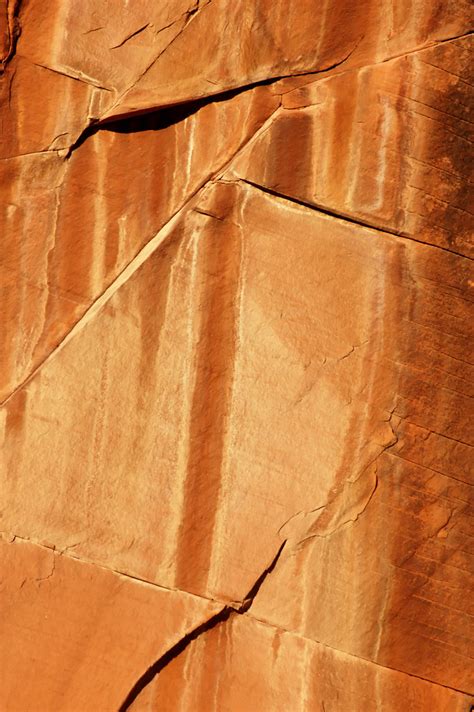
(102, 300)
(286, 359)
(68, 264)
(174, 77)
(379, 167)
(316, 668)
(275, 346)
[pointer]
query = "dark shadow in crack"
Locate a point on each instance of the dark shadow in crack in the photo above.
(171, 654)
(218, 618)
(153, 119)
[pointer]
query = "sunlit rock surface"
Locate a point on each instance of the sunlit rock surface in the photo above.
(236, 356)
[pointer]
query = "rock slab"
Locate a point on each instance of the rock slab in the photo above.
(236, 362)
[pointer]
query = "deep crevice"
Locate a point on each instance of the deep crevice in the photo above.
(179, 647)
(149, 675)
(155, 119)
(250, 597)
(152, 119)
(172, 114)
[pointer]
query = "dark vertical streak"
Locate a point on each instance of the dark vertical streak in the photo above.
(219, 266)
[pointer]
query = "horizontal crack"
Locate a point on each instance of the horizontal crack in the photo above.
(86, 562)
(43, 151)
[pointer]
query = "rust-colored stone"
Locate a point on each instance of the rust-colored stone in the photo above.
(390, 146)
(75, 636)
(236, 373)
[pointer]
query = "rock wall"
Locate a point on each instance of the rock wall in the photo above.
(236, 356)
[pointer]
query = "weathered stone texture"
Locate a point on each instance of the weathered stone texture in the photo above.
(236, 356)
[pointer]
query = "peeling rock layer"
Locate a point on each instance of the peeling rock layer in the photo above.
(236, 365)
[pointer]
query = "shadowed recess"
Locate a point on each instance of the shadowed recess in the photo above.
(152, 119)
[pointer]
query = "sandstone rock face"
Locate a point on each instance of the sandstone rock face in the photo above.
(76, 637)
(236, 361)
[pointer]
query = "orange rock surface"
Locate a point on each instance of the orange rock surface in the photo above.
(236, 356)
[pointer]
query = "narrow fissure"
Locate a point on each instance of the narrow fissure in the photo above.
(13, 31)
(179, 647)
(345, 216)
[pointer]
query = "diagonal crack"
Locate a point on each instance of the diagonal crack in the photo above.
(132, 122)
(179, 647)
(188, 16)
(78, 77)
(65, 553)
(109, 292)
(186, 108)
(339, 215)
(354, 656)
(131, 35)
(140, 258)
(242, 608)
(221, 617)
